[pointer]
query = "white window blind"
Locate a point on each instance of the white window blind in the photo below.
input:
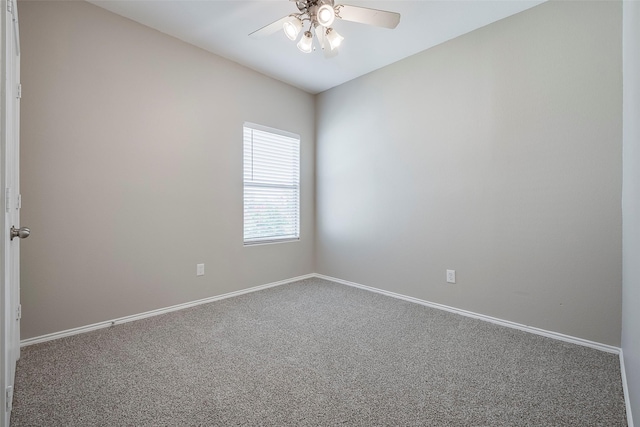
(271, 185)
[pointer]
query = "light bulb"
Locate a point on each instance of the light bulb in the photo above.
(292, 28)
(334, 38)
(325, 15)
(305, 43)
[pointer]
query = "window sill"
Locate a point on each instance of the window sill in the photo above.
(270, 242)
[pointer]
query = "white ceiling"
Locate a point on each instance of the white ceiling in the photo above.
(222, 27)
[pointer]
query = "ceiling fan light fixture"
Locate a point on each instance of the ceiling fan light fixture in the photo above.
(325, 15)
(306, 42)
(292, 28)
(334, 38)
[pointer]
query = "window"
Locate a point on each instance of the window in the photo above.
(271, 185)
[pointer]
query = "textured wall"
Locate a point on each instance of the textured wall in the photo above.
(497, 154)
(631, 203)
(132, 169)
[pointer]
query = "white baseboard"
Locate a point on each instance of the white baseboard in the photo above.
(625, 388)
(507, 323)
(108, 323)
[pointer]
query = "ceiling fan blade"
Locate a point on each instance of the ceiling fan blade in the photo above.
(320, 36)
(267, 30)
(363, 15)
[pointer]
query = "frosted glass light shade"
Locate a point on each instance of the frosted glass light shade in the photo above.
(305, 43)
(334, 38)
(325, 15)
(292, 28)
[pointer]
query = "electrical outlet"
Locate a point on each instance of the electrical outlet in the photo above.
(451, 276)
(199, 269)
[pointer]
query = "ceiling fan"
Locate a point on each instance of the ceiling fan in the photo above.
(319, 15)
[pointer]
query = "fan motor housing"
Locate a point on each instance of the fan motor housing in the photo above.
(312, 5)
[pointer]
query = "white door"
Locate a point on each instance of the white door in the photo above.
(12, 234)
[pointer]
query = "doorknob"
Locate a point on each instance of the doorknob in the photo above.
(22, 232)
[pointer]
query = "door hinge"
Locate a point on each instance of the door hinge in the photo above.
(9, 397)
(19, 312)
(19, 95)
(10, 6)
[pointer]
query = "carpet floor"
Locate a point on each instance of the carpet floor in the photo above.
(315, 353)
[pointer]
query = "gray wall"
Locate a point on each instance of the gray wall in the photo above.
(132, 169)
(497, 154)
(631, 203)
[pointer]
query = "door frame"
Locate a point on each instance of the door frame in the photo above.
(3, 231)
(9, 203)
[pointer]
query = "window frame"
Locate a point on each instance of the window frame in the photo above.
(285, 238)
